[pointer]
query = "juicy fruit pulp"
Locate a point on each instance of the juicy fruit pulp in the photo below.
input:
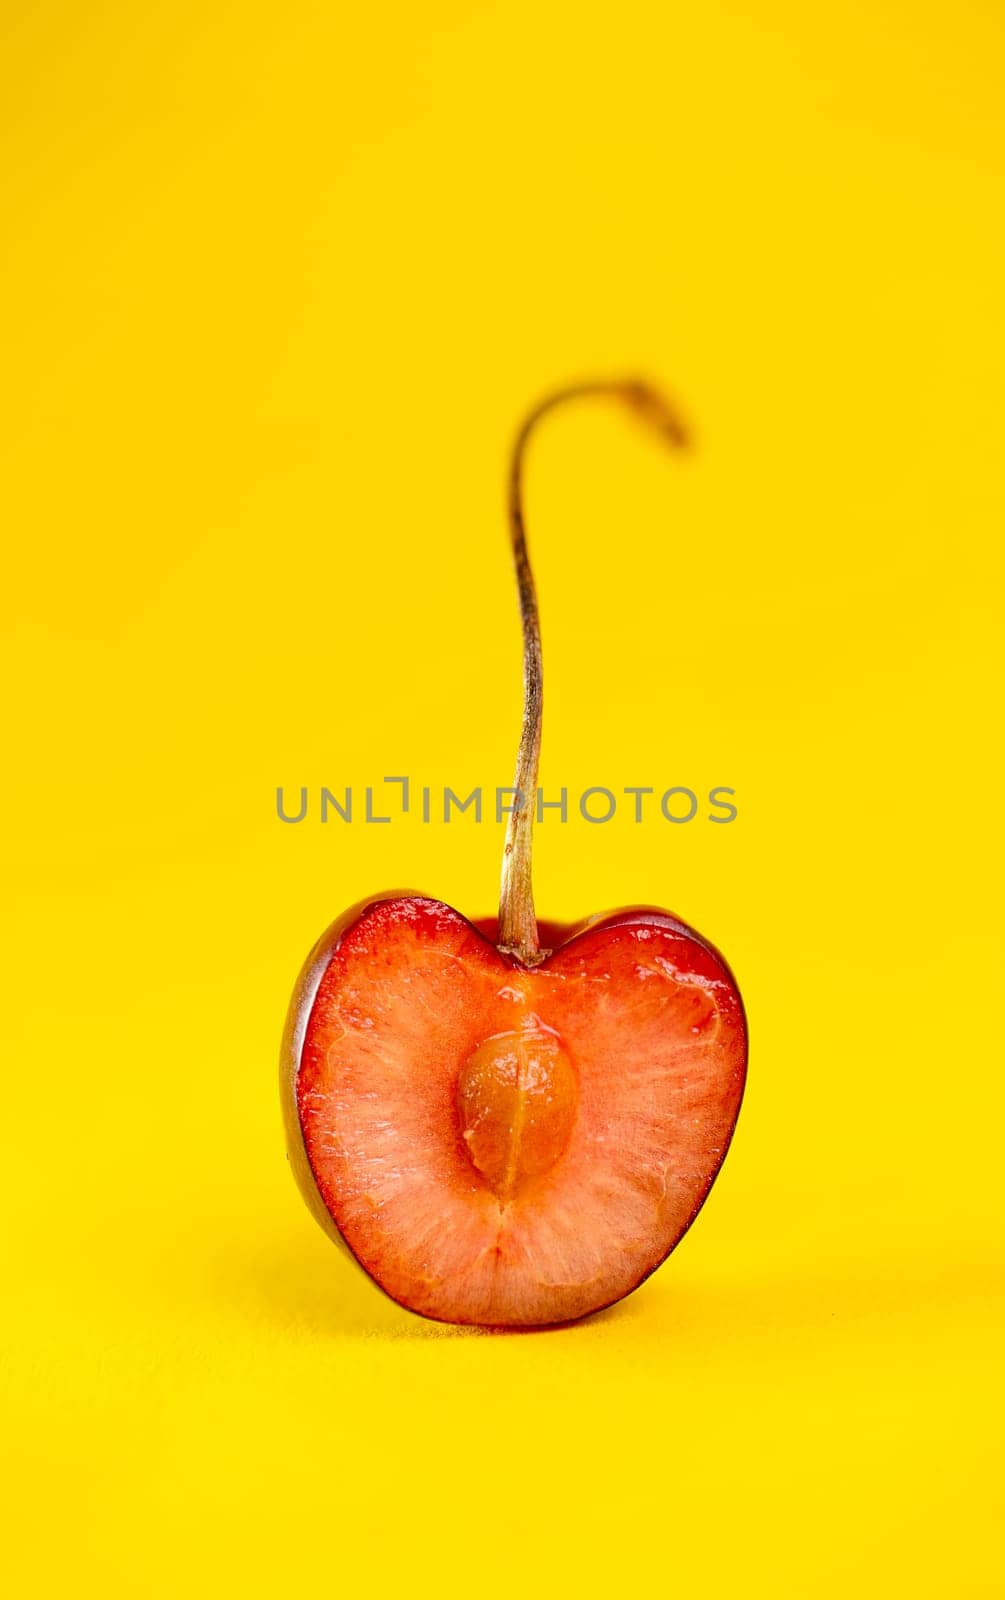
(506, 1145)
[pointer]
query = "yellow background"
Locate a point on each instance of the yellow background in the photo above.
(277, 283)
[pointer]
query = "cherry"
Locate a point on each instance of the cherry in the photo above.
(505, 1134)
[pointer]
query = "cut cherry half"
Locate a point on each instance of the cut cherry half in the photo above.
(501, 1134)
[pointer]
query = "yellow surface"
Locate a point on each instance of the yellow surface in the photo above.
(277, 282)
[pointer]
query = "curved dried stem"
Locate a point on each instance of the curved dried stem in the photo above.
(517, 920)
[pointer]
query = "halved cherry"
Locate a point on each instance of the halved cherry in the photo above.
(501, 1134)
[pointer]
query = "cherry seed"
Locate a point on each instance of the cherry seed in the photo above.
(504, 1134)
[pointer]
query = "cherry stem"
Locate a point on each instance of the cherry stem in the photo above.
(517, 920)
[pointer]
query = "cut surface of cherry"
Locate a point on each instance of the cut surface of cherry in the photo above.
(509, 1146)
(501, 1133)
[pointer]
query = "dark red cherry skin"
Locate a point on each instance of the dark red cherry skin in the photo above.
(553, 937)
